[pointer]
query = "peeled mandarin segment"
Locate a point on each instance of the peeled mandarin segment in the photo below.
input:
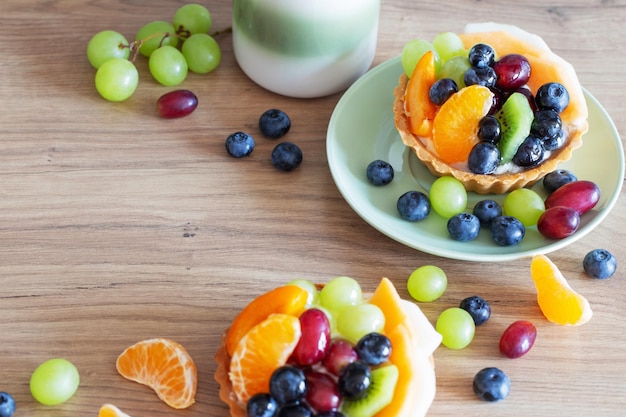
(262, 349)
(163, 365)
(109, 410)
(420, 109)
(558, 302)
(386, 297)
(288, 299)
(456, 124)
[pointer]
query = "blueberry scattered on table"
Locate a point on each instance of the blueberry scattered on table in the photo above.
(600, 263)
(274, 123)
(239, 144)
(379, 172)
(7, 405)
(286, 156)
(491, 384)
(478, 308)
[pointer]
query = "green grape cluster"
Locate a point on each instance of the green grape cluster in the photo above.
(172, 49)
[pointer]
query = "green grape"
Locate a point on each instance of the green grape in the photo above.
(310, 289)
(448, 196)
(455, 69)
(524, 204)
(202, 53)
(154, 35)
(354, 322)
(106, 45)
(449, 45)
(191, 19)
(412, 51)
(339, 293)
(117, 79)
(427, 283)
(54, 381)
(456, 327)
(168, 66)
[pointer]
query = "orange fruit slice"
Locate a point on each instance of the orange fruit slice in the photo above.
(386, 297)
(109, 410)
(418, 105)
(288, 299)
(558, 302)
(455, 128)
(262, 349)
(163, 365)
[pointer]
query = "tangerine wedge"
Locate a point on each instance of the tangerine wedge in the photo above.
(288, 299)
(420, 109)
(262, 349)
(558, 302)
(109, 410)
(455, 128)
(163, 365)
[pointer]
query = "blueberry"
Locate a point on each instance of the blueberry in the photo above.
(507, 230)
(354, 380)
(331, 414)
(555, 179)
(379, 172)
(295, 410)
(478, 308)
(463, 227)
(484, 158)
(286, 156)
(530, 153)
(239, 144)
(373, 348)
(413, 206)
(489, 129)
(262, 405)
(555, 142)
(491, 384)
(481, 55)
(442, 90)
(274, 123)
(7, 405)
(484, 76)
(486, 211)
(287, 385)
(600, 263)
(552, 96)
(546, 124)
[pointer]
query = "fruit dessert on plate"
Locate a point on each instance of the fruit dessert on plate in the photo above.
(328, 350)
(493, 107)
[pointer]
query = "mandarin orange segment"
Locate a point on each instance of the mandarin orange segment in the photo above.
(420, 109)
(386, 297)
(163, 365)
(109, 410)
(558, 302)
(455, 128)
(262, 349)
(288, 299)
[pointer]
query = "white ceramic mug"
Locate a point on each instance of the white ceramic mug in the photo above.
(305, 48)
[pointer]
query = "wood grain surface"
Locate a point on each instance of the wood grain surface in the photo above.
(117, 226)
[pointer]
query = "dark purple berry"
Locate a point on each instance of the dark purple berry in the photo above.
(286, 156)
(507, 230)
(442, 90)
(463, 227)
(481, 55)
(486, 211)
(484, 76)
(530, 153)
(379, 172)
(553, 96)
(239, 144)
(478, 308)
(413, 206)
(354, 380)
(261, 405)
(374, 349)
(489, 129)
(491, 384)
(287, 385)
(600, 263)
(484, 158)
(546, 124)
(274, 123)
(555, 179)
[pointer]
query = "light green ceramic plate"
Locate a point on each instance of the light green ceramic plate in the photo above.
(362, 129)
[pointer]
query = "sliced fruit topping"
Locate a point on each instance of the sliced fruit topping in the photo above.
(455, 126)
(516, 118)
(163, 365)
(288, 299)
(558, 302)
(418, 105)
(109, 410)
(378, 395)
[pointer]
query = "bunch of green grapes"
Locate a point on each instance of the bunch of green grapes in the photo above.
(172, 49)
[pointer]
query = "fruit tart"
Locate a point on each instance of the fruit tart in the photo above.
(328, 350)
(493, 107)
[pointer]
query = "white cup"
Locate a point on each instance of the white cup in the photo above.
(305, 48)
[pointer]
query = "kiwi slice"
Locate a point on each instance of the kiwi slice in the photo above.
(378, 395)
(515, 117)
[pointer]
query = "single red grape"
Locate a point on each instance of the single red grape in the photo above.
(177, 103)
(517, 339)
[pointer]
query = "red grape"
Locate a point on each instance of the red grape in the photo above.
(340, 353)
(177, 103)
(315, 339)
(513, 71)
(558, 222)
(580, 195)
(517, 339)
(322, 393)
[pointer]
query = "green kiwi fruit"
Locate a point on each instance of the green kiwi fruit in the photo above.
(516, 118)
(378, 395)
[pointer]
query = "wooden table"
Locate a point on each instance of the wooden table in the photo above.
(118, 226)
